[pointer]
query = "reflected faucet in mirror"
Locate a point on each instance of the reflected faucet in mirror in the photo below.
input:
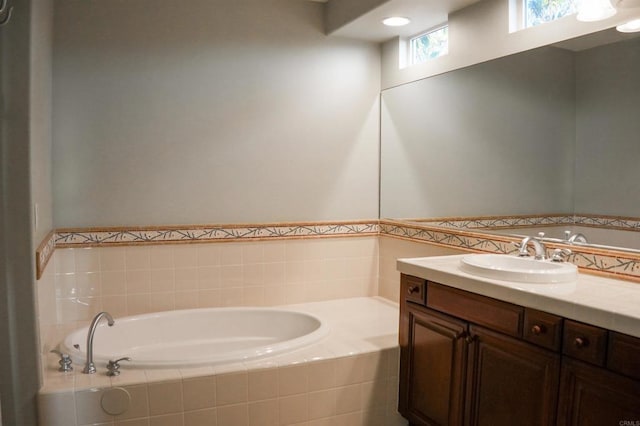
(575, 238)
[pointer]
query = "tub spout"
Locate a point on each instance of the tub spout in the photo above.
(89, 368)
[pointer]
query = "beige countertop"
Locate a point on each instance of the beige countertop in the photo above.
(605, 302)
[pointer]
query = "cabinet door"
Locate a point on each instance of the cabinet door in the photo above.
(592, 396)
(432, 367)
(510, 381)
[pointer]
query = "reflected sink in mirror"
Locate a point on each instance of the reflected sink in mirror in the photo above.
(519, 269)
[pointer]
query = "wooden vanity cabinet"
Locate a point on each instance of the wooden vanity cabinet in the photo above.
(454, 372)
(592, 396)
(432, 367)
(510, 381)
(467, 359)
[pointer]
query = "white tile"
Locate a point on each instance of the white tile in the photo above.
(137, 257)
(56, 409)
(185, 256)
(208, 255)
(231, 254)
(65, 261)
(161, 257)
(112, 258)
(87, 259)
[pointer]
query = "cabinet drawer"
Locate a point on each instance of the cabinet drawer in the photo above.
(482, 310)
(412, 289)
(585, 342)
(542, 329)
(623, 354)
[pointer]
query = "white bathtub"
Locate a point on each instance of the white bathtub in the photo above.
(197, 337)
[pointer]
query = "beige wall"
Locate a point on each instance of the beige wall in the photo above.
(479, 33)
(215, 112)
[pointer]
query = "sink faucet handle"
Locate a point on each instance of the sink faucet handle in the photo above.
(560, 255)
(540, 235)
(65, 360)
(113, 366)
(522, 247)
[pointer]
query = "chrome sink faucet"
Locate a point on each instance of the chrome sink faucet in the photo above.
(538, 246)
(89, 367)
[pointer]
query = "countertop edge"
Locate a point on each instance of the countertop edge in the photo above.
(443, 270)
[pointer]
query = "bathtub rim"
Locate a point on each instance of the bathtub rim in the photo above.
(78, 355)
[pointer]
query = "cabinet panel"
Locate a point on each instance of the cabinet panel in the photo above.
(501, 316)
(624, 354)
(592, 396)
(542, 329)
(412, 289)
(432, 368)
(510, 381)
(585, 342)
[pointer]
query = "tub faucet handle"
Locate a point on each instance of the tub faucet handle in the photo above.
(113, 366)
(65, 361)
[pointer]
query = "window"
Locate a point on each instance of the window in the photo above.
(429, 45)
(538, 12)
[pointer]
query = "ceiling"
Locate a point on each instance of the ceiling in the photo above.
(424, 15)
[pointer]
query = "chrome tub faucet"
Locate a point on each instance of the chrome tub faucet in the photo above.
(89, 367)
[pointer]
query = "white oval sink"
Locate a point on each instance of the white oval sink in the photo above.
(520, 269)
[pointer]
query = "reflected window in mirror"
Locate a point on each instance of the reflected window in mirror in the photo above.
(536, 12)
(429, 45)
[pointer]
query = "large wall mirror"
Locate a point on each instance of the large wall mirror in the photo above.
(554, 130)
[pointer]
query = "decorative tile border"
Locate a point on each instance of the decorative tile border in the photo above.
(450, 232)
(98, 237)
(206, 233)
(44, 253)
(497, 221)
(611, 263)
(612, 222)
(493, 222)
(448, 237)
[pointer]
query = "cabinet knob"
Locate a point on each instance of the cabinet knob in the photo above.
(538, 329)
(413, 289)
(581, 342)
(470, 339)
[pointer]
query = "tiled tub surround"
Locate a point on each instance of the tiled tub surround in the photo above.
(96, 237)
(128, 280)
(349, 378)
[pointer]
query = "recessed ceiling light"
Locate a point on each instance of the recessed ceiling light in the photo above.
(396, 21)
(629, 27)
(595, 10)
